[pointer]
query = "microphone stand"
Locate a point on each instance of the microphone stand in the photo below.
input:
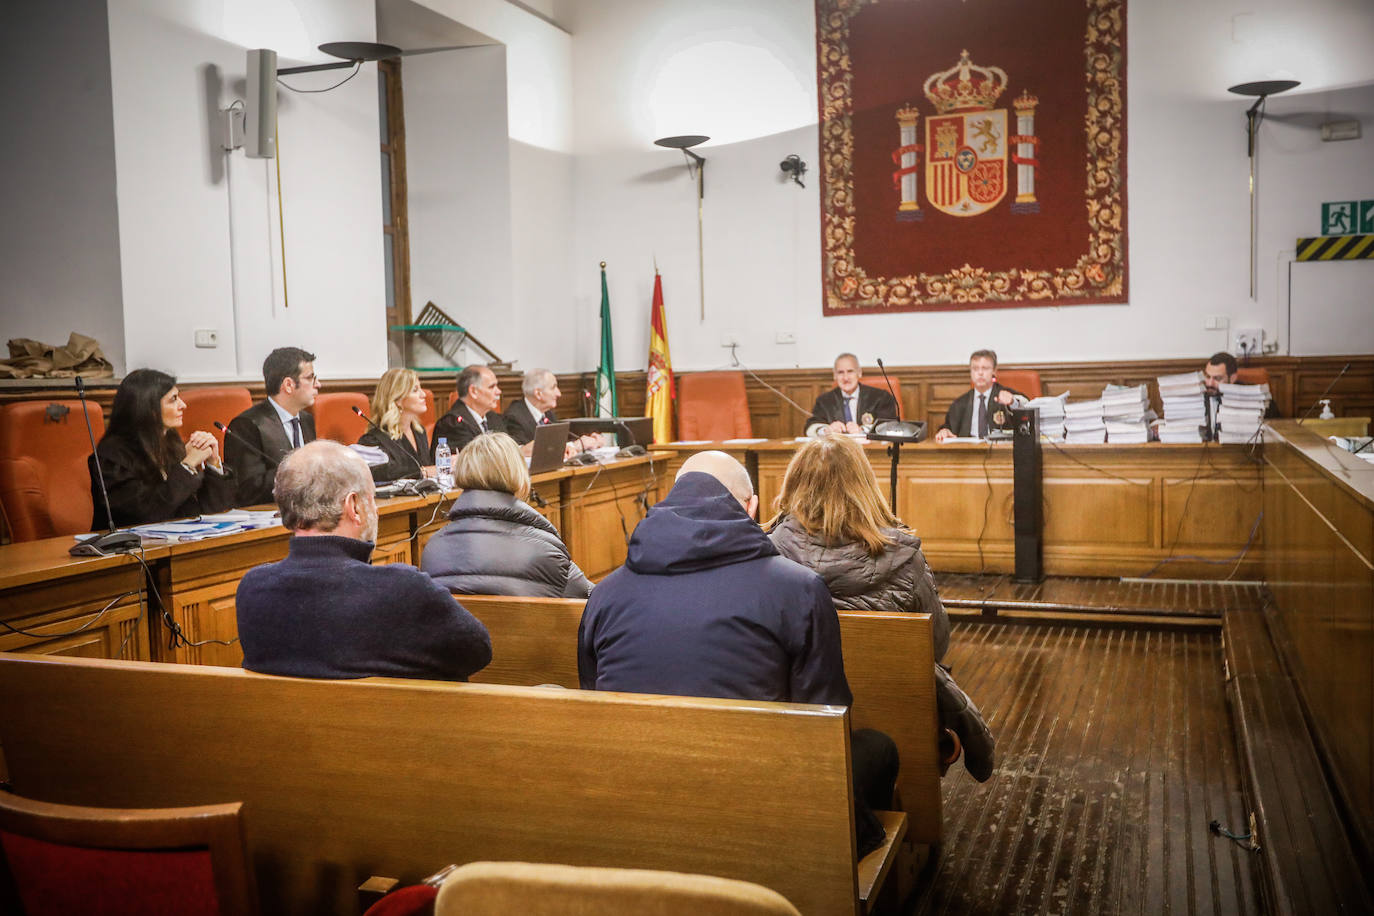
(114, 540)
(422, 485)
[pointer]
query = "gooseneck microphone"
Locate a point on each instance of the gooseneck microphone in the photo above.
(895, 399)
(114, 540)
(368, 420)
(246, 444)
(1344, 369)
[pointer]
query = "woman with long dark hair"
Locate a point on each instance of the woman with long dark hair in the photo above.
(151, 475)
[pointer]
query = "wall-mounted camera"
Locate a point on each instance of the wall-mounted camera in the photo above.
(794, 167)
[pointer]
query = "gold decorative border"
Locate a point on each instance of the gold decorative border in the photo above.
(1097, 276)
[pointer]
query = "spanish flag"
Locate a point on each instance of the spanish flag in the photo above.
(658, 403)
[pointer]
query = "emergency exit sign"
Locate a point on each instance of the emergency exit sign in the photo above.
(1348, 217)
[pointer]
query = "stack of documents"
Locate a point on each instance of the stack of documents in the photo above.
(1242, 412)
(1185, 412)
(1124, 413)
(1083, 422)
(209, 525)
(1051, 415)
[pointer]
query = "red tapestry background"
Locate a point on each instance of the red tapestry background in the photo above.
(1053, 227)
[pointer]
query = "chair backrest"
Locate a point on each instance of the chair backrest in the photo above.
(1252, 375)
(499, 888)
(876, 380)
(712, 406)
(335, 419)
(1026, 381)
(59, 859)
(206, 405)
(45, 485)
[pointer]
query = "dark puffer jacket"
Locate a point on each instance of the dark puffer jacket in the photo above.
(494, 544)
(898, 579)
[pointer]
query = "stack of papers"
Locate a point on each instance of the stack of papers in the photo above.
(1185, 410)
(1124, 412)
(1083, 422)
(1051, 415)
(1242, 412)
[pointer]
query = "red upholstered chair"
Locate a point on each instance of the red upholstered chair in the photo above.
(1252, 375)
(335, 419)
(45, 487)
(712, 406)
(61, 859)
(431, 415)
(206, 405)
(1026, 381)
(452, 399)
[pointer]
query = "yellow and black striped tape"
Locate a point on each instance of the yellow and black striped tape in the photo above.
(1336, 248)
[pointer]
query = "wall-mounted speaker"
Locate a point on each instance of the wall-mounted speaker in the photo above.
(260, 115)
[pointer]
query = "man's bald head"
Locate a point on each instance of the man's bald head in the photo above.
(728, 471)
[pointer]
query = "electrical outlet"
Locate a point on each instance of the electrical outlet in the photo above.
(1247, 342)
(207, 338)
(786, 337)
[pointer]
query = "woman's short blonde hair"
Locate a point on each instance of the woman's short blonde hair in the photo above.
(492, 461)
(391, 387)
(830, 489)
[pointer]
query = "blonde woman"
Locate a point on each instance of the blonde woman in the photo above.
(494, 543)
(397, 406)
(832, 518)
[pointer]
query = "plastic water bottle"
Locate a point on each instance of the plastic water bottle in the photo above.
(443, 463)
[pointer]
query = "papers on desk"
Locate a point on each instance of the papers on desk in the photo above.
(209, 525)
(1051, 415)
(374, 456)
(1185, 410)
(1242, 412)
(1083, 422)
(743, 441)
(1126, 413)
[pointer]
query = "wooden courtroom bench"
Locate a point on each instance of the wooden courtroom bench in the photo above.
(345, 779)
(889, 661)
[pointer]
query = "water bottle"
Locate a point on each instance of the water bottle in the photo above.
(443, 463)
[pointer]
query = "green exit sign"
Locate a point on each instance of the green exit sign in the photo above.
(1348, 217)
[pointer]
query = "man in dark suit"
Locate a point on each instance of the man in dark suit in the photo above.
(850, 407)
(984, 406)
(474, 413)
(540, 390)
(266, 432)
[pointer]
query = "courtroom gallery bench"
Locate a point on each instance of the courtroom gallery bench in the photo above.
(889, 662)
(345, 779)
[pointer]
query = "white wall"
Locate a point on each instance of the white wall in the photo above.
(1187, 174)
(59, 241)
(458, 179)
(198, 229)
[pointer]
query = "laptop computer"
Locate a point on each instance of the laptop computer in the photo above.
(549, 441)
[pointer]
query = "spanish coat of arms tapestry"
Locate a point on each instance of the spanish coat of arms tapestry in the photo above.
(973, 153)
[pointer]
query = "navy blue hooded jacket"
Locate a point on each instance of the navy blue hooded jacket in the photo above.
(705, 606)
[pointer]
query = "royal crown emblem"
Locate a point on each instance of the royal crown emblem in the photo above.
(967, 144)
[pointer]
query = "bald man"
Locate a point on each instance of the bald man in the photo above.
(705, 606)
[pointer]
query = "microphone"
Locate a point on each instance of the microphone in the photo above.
(586, 403)
(246, 444)
(1324, 393)
(368, 420)
(883, 370)
(114, 540)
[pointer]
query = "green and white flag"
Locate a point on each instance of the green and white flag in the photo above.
(606, 405)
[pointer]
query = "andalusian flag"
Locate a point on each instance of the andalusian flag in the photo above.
(606, 405)
(659, 400)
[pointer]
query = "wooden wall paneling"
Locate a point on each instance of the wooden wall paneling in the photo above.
(602, 506)
(55, 606)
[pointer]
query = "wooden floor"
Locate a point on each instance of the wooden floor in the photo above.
(1187, 598)
(1115, 750)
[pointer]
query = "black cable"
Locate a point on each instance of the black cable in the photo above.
(81, 629)
(357, 66)
(987, 505)
(1103, 471)
(178, 637)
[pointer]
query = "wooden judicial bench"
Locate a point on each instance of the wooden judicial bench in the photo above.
(889, 659)
(341, 780)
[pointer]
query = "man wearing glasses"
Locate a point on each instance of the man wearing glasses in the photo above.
(266, 432)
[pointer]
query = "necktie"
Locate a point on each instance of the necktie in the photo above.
(982, 416)
(296, 432)
(848, 413)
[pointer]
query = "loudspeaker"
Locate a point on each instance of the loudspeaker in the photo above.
(1028, 499)
(260, 114)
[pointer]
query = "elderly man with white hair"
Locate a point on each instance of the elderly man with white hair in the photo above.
(540, 394)
(325, 611)
(705, 606)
